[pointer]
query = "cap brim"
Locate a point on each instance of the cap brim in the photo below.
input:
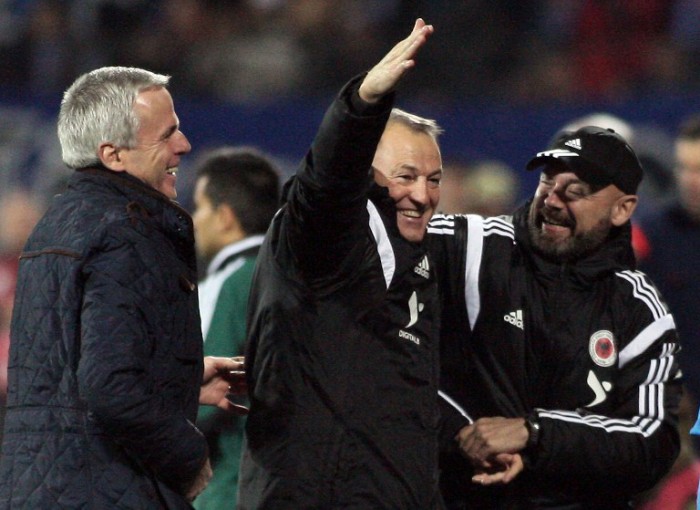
(582, 168)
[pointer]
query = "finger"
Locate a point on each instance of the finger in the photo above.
(232, 407)
(404, 58)
(235, 377)
(489, 478)
(514, 469)
(401, 55)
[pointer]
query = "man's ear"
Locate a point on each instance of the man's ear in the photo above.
(623, 209)
(228, 217)
(379, 177)
(110, 157)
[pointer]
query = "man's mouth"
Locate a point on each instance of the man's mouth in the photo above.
(411, 213)
(546, 219)
(172, 171)
(556, 223)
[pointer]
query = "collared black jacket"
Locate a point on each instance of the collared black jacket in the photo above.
(106, 353)
(342, 354)
(590, 347)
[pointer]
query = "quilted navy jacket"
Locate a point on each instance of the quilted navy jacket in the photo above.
(106, 353)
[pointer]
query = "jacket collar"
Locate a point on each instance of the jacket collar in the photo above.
(146, 202)
(248, 246)
(124, 179)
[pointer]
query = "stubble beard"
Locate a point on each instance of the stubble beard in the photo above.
(570, 249)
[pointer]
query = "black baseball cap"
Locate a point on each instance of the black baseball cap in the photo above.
(598, 156)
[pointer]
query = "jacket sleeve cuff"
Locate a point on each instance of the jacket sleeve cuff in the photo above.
(360, 108)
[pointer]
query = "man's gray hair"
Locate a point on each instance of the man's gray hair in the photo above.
(99, 107)
(416, 123)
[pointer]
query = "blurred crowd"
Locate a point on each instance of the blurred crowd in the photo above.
(264, 50)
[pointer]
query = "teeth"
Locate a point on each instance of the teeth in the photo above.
(411, 213)
(172, 171)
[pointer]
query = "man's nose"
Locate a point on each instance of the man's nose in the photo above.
(419, 190)
(553, 199)
(183, 144)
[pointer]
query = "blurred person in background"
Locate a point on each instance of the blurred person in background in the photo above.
(488, 188)
(19, 212)
(236, 195)
(106, 369)
(669, 252)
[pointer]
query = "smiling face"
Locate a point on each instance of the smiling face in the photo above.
(160, 143)
(568, 218)
(409, 164)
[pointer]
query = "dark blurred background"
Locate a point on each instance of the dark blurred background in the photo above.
(501, 76)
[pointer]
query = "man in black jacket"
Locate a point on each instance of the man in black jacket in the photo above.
(559, 349)
(106, 353)
(342, 354)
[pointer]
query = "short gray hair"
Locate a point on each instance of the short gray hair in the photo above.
(416, 123)
(99, 107)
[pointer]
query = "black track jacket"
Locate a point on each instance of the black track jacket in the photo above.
(342, 354)
(591, 347)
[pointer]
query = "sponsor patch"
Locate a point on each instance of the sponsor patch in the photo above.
(602, 348)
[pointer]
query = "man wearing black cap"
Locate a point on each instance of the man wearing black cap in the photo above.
(558, 349)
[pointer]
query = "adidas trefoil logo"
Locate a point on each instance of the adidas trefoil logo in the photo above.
(423, 268)
(515, 318)
(575, 143)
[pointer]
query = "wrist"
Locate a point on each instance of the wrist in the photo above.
(532, 424)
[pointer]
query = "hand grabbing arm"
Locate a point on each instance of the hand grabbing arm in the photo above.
(493, 446)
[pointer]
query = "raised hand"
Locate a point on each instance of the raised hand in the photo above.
(384, 76)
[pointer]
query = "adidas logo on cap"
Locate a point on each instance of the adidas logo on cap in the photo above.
(575, 143)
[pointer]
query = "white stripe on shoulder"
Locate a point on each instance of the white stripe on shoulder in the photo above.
(442, 224)
(646, 338)
(499, 225)
(384, 248)
(644, 291)
(475, 248)
(454, 404)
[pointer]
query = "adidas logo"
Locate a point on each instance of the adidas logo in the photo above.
(575, 143)
(515, 318)
(423, 268)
